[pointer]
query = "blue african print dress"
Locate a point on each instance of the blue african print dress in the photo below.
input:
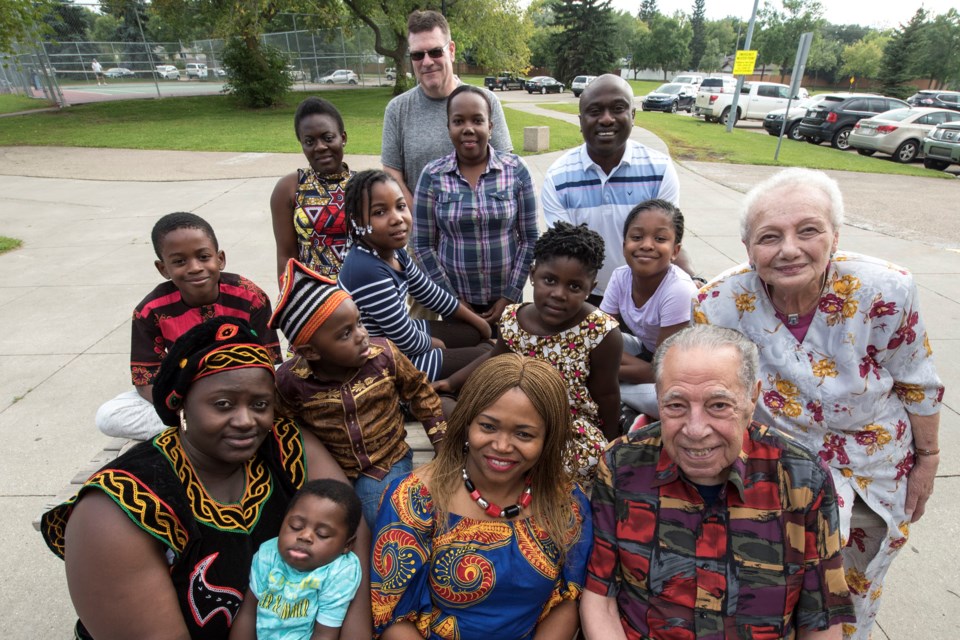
(480, 579)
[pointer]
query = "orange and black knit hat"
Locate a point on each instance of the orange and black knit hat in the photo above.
(307, 299)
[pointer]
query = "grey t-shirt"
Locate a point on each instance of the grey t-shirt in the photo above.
(415, 133)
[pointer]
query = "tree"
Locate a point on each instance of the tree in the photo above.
(21, 21)
(625, 31)
(824, 58)
(666, 46)
(495, 33)
(939, 58)
(780, 32)
(862, 59)
(698, 40)
(648, 9)
(541, 14)
(583, 45)
(900, 56)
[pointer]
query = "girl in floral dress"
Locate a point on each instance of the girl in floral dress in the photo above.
(583, 343)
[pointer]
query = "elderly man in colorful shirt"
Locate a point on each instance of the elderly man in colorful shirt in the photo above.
(708, 525)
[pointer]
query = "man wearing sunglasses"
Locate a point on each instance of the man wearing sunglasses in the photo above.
(415, 122)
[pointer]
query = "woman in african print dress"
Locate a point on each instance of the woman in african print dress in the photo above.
(309, 223)
(448, 561)
(159, 542)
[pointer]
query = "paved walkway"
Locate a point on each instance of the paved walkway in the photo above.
(65, 301)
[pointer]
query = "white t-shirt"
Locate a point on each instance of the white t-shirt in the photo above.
(670, 304)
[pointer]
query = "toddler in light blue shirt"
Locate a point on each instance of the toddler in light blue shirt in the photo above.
(302, 582)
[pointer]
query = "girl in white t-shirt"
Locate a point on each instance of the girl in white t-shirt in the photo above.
(650, 296)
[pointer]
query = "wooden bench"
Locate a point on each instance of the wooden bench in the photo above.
(416, 439)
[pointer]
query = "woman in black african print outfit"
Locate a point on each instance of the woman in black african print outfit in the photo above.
(162, 537)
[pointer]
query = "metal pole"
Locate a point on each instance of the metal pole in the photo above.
(799, 66)
(153, 67)
(732, 116)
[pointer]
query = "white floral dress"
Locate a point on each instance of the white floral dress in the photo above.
(569, 353)
(844, 391)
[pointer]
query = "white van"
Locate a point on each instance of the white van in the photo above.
(688, 78)
(196, 70)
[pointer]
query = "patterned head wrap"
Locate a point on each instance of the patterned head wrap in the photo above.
(307, 299)
(219, 344)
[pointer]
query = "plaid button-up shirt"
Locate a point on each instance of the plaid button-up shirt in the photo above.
(478, 244)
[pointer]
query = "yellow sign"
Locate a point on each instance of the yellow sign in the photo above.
(744, 63)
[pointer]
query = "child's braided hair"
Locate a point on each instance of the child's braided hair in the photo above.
(360, 186)
(571, 241)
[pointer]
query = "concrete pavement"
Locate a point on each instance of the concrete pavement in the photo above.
(66, 297)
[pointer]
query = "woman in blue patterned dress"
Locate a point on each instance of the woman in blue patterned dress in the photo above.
(158, 543)
(448, 560)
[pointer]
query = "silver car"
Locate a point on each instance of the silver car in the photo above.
(580, 83)
(340, 76)
(898, 133)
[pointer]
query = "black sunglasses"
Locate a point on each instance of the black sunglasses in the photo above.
(433, 53)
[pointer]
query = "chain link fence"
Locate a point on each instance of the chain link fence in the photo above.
(44, 68)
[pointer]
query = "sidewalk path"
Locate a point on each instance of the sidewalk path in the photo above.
(66, 297)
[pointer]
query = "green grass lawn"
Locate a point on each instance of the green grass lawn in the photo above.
(694, 139)
(10, 103)
(215, 123)
(9, 244)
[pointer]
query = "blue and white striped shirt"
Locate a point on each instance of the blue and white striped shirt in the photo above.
(380, 292)
(576, 190)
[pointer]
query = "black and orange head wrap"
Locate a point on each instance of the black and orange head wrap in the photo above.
(307, 299)
(218, 345)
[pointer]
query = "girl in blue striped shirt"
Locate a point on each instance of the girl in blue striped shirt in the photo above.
(378, 273)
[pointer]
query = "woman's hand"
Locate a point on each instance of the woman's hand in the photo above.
(442, 386)
(920, 481)
(920, 485)
(437, 343)
(492, 315)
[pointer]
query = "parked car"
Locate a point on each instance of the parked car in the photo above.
(755, 101)
(391, 73)
(504, 81)
(219, 72)
(340, 76)
(672, 97)
(168, 72)
(833, 118)
(297, 75)
(118, 72)
(688, 78)
(543, 84)
(942, 147)
(938, 99)
(580, 83)
(196, 70)
(773, 120)
(898, 133)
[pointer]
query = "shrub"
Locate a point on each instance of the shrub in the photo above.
(257, 73)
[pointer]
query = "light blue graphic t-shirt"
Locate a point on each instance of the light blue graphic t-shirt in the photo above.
(291, 601)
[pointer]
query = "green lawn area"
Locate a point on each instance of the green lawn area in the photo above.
(694, 139)
(10, 103)
(215, 123)
(9, 244)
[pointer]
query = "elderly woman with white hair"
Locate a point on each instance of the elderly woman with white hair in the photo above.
(846, 366)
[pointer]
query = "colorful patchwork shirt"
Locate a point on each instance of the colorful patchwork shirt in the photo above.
(760, 561)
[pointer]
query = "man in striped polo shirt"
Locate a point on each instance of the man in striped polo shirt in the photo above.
(599, 182)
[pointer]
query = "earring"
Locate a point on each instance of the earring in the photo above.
(466, 446)
(183, 422)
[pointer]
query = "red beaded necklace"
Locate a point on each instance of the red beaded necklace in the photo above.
(494, 510)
